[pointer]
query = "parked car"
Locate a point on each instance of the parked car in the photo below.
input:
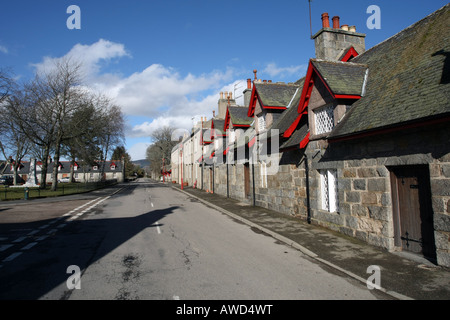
(64, 180)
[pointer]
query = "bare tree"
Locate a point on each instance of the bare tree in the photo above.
(160, 149)
(6, 84)
(14, 145)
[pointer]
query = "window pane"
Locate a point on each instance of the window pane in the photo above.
(324, 119)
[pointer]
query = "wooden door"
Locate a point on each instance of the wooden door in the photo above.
(413, 215)
(211, 179)
(247, 180)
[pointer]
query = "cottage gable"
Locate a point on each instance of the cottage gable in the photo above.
(268, 95)
(407, 81)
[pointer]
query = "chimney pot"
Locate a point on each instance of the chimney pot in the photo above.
(269, 81)
(325, 20)
(336, 22)
(230, 95)
(264, 81)
(249, 83)
(214, 113)
(352, 28)
(221, 95)
(344, 27)
(255, 71)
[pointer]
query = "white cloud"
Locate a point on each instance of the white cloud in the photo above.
(138, 150)
(160, 89)
(274, 71)
(157, 96)
(4, 49)
(90, 56)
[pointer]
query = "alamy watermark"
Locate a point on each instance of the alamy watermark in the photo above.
(374, 21)
(74, 281)
(74, 20)
(374, 281)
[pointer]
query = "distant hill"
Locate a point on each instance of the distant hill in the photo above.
(143, 163)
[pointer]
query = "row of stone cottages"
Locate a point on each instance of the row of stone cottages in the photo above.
(362, 141)
(30, 171)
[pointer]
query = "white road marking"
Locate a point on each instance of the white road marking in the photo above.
(19, 239)
(42, 238)
(157, 228)
(176, 298)
(5, 246)
(151, 204)
(12, 256)
(52, 231)
(30, 245)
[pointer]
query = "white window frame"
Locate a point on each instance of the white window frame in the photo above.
(329, 190)
(232, 135)
(261, 123)
(263, 172)
(324, 119)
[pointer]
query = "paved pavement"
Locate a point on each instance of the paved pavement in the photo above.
(402, 276)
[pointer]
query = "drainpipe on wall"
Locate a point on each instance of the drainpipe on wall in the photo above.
(253, 178)
(228, 184)
(308, 205)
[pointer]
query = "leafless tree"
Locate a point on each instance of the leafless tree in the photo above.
(14, 145)
(160, 149)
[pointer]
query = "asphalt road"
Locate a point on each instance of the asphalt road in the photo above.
(146, 241)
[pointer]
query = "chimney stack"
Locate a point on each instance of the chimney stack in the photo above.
(332, 43)
(325, 20)
(248, 92)
(336, 22)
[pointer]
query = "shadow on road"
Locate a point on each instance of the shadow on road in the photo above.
(82, 242)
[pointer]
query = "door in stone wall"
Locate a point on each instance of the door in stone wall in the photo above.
(413, 215)
(247, 180)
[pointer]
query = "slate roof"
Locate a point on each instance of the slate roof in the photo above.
(219, 125)
(408, 79)
(275, 94)
(297, 136)
(288, 116)
(238, 116)
(342, 77)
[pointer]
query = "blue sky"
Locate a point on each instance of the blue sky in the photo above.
(165, 62)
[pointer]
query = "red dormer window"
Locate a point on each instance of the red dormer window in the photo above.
(350, 54)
